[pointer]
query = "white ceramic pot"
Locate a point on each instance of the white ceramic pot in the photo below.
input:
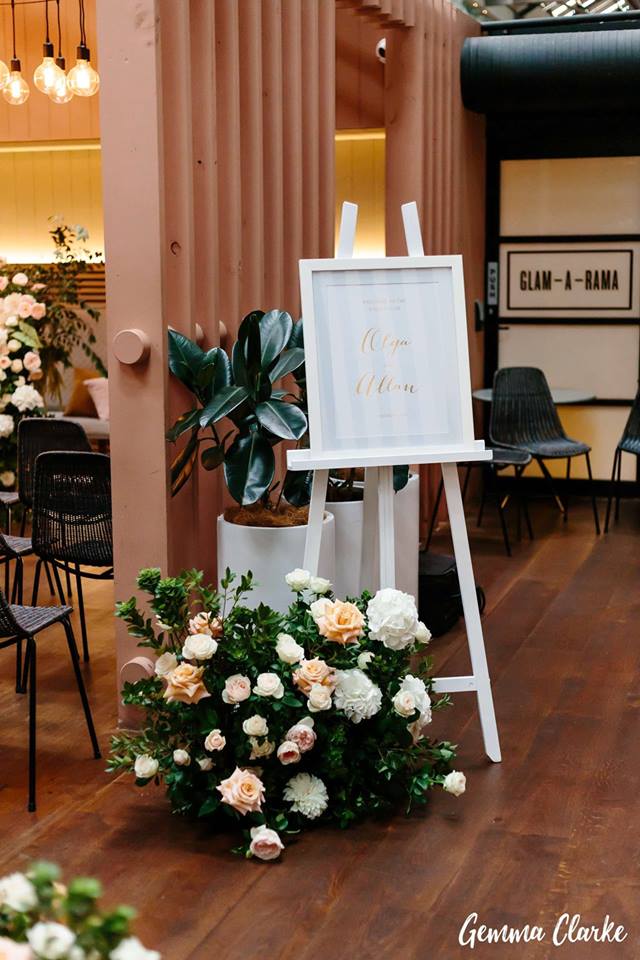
(349, 541)
(270, 553)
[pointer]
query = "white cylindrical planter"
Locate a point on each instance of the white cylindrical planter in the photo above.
(270, 553)
(349, 541)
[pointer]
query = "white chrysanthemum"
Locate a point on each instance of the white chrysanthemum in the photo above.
(18, 893)
(393, 618)
(6, 425)
(26, 398)
(307, 795)
(131, 949)
(357, 695)
(50, 941)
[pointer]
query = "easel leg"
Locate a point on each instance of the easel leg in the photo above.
(386, 527)
(314, 523)
(471, 613)
(369, 542)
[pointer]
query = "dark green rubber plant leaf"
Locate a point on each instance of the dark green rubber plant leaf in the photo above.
(282, 419)
(212, 457)
(249, 467)
(297, 487)
(222, 404)
(185, 359)
(286, 363)
(182, 466)
(400, 477)
(186, 422)
(275, 330)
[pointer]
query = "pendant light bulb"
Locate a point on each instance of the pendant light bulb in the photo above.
(82, 79)
(4, 74)
(48, 72)
(61, 92)
(16, 89)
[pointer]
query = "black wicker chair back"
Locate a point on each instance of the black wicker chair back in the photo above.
(72, 509)
(522, 410)
(8, 625)
(37, 435)
(630, 440)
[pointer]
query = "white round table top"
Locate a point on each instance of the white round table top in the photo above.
(560, 395)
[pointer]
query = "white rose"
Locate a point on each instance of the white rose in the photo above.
(319, 698)
(145, 767)
(319, 585)
(181, 758)
(404, 703)
(318, 608)
(255, 726)
(20, 279)
(298, 579)
(215, 741)
(13, 345)
(423, 634)
(365, 659)
(199, 646)
(289, 752)
(50, 941)
(288, 650)
(16, 365)
(265, 843)
(18, 893)
(455, 783)
(11, 322)
(260, 748)
(269, 685)
(205, 764)
(165, 663)
(132, 949)
(357, 695)
(6, 425)
(415, 686)
(393, 618)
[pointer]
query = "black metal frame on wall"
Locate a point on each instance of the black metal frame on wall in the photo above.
(549, 134)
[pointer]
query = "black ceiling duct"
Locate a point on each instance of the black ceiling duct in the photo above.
(579, 71)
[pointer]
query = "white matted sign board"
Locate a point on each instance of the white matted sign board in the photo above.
(387, 371)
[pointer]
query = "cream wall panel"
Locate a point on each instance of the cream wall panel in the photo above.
(586, 195)
(601, 427)
(40, 183)
(603, 360)
(360, 178)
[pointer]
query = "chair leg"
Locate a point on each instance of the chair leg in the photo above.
(593, 495)
(31, 659)
(75, 659)
(434, 513)
(501, 512)
(68, 576)
(524, 501)
(19, 666)
(566, 499)
(16, 590)
(550, 483)
(47, 570)
(23, 525)
(483, 494)
(466, 481)
(7, 582)
(612, 488)
(618, 487)
(56, 576)
(83, 621)
(36, 583)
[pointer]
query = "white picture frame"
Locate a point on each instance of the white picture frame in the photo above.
(423, 410)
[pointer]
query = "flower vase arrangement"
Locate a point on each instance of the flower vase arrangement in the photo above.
(43, 919)
(273, 723)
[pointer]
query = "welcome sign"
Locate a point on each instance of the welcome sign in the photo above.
(386, 353)
(597, 280)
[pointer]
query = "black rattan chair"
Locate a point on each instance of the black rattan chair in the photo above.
(8, 500)
(72, 524)
(518, 459)
(524, 417)
(629, 442)
(19, 624)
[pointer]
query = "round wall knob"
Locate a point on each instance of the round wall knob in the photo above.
(131, 346)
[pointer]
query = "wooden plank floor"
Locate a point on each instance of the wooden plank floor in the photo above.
(553, 828)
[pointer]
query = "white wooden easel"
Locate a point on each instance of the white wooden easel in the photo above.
(378, 498)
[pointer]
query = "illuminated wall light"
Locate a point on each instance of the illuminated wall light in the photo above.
(16, 88)
(82, 79)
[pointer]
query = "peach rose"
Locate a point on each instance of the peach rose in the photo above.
(4, 282)
(265, 843)
(38, 310)
(338, 620)
(185, 684)
(302, 734)
(24, 309)
(312, 672)
(236, 688)
(32, 361)
(215, 741)
(243, 791)
(203, 622)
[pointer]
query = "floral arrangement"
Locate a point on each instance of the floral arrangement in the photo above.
(42, 919)
(277, 722)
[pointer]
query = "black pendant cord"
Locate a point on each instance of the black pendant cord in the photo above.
(13, 26)
(83, 29)
(59, 30)
(47, 39)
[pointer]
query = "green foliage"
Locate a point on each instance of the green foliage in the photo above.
(243, 390)
(374, 766)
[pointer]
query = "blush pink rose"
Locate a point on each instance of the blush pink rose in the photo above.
(38, 311)
(236, 689)
(265, 843)
(32, 361)
(24, 309)
(243, 791)
(215, 741)
(4, 282)
(9, 950)
(288, 752)
(302, 734)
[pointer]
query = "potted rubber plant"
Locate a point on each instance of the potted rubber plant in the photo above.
(241, 412)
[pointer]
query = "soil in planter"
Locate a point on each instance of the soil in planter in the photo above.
(258, 515)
